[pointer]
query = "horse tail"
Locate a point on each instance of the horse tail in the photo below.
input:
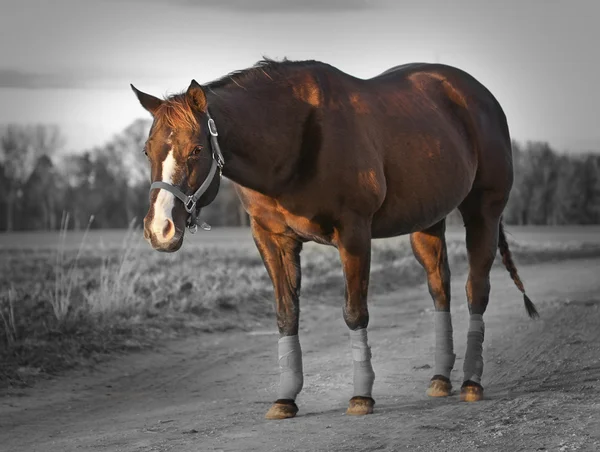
(512, 269)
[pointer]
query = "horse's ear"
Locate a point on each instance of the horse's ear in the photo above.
(149, 102)
(196, 96)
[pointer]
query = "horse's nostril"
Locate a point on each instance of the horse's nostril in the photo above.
(168, 230)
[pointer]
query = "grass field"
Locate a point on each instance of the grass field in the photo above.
(75, 298)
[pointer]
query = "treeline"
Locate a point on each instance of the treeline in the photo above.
(111, 182)
(553, 188)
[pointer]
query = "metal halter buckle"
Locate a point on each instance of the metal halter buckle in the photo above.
(190, 204)
(217, 158)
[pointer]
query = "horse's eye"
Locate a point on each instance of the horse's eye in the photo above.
(196, 150)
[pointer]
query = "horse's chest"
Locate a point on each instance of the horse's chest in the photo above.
(306, 225)
(280, 217)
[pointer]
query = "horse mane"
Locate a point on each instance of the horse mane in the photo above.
(265, 68)
(176, 112)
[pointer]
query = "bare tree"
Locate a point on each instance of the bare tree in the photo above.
(43, 197)
(20, 147)
(130, 144)
(591, 194)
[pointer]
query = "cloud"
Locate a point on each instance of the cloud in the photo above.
(290, 5)
(15, 78)
(276, 6)
(75, 78)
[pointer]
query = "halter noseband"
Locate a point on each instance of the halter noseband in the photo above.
(189, 201)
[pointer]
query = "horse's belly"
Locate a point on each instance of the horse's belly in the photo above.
(414, 206)
(393, 221)
(409, 215)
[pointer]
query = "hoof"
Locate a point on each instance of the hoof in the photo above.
(282, 409)
(439, 386)
(471, 392)
(359, 406)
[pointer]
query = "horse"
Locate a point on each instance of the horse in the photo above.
(316, 154)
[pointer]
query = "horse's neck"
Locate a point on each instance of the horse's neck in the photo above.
(256, 135)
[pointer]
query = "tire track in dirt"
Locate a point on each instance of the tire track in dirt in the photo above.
(211, 392)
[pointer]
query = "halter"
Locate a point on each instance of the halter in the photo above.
(189, 201)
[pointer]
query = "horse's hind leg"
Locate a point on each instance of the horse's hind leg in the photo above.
(481, 214)
(429, 247)
(281, 256)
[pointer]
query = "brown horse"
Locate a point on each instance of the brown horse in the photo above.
(319, 155)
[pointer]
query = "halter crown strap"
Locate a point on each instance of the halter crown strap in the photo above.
(212, 129)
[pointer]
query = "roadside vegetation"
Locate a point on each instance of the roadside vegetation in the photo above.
(75, 303)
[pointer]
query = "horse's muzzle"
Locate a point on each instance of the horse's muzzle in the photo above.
(167, 237)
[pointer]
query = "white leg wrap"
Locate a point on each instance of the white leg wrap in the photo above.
(363, 371)
(473, 365)
(290, 367)
(444, 345)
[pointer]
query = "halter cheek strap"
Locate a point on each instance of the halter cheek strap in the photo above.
(189, 201)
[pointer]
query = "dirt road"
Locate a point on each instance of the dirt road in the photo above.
(211, 392)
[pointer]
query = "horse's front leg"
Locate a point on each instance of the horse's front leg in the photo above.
(281, 255)
(355, 252)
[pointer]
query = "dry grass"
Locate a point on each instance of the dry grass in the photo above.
(65, 274)
(116, 290)
(69, 305)
(10, 328)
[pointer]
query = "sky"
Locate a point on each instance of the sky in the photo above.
(70, 62)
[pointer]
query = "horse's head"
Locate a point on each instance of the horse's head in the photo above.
(181, 159)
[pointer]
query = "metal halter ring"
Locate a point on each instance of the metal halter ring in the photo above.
(212, 127)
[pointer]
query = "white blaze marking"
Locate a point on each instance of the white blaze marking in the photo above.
(165, 201)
